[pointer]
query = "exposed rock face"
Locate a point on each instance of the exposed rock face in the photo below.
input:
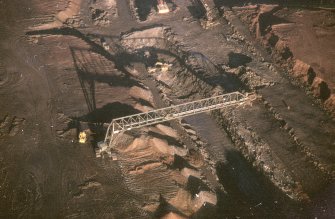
(261, 22)
(281, 30)
(320, 88)
(303, 72)
(211, 12)
(271, 39)
(282, 49)
(330, 104)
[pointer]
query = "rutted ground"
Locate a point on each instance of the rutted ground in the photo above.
(74, 71)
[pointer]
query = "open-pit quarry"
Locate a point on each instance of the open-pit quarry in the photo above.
(72, 66)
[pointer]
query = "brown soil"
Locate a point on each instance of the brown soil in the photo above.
(72, 66)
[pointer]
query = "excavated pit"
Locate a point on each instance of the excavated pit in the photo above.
(170, 83)
(73, 66)
(300, 184)
(150, 46)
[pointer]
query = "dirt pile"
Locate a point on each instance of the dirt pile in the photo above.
(142, 39)
(152, 45)
(155, 153)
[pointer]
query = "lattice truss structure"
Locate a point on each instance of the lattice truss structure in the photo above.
(169, 113)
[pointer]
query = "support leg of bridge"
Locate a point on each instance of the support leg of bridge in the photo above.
(102, 147)
(105, 147)
(139, 120)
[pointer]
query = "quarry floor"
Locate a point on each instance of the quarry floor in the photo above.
(273, 158)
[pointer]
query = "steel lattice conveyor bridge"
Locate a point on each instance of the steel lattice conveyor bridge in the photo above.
(169, 113)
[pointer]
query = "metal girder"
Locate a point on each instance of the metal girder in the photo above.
(169, 113)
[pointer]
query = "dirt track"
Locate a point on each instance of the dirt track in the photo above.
(69, 66)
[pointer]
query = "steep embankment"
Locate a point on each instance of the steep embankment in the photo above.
(301, 41)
